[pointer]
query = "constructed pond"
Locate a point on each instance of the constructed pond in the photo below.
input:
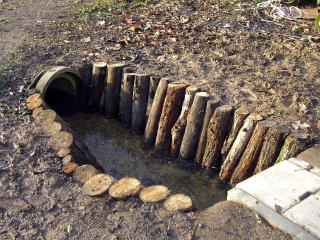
(120, 153)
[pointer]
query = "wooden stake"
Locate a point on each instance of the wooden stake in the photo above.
(239, 116)
(250, 156)
(151, 129)
(139, 102)
(99, 72)
(170, 113)
(154, 82)
(101, 102)
(179, 127)
(238, 146)
(293, 145)
(112, 90)
(194, 125)
(126, 99)
(211, 106)
(271, 147)
(217, 131)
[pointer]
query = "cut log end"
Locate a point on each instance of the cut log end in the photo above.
(178, 202)
(36, 111)
(51, 128)
(67, 159)
(63, 152)
(60, 140)
(97, 185)
(33, 97)
(154, 193)
(45, 117)
(35, 104)
(69, 167)
(100, 64)
(83, 173)
(125, 187)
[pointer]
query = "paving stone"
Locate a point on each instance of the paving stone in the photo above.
(311, 155)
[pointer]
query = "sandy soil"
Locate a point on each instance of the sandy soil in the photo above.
(222, 47)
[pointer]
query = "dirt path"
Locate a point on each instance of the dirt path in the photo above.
(228, 52)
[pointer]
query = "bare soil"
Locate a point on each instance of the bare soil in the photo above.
(220, 46)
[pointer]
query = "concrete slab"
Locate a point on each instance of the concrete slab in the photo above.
(307, 214)
(281, 186)
(302, 164)
(311, 155)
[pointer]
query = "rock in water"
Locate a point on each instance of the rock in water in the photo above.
(125, 187)
(83, 173)
(154, 193)
(178, 202)
(97, 185)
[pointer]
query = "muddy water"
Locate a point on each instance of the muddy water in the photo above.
(120, 154)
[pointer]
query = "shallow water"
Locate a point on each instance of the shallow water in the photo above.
(119, 152)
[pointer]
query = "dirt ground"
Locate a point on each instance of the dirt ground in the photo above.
(221, 46)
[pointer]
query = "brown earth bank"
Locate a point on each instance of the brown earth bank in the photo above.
(221, 46)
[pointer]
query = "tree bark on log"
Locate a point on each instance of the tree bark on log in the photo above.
(151, 129)
(96, 86)
(217, 131)
(179, 127)
(112, 90)
(126, 99)
(293, 145)
(271, 147)
(211, 106)
(250, 156)
(239, 116)
(194, 125)
(238, 146)
(154, 82)
(139, 102)
(170, 113)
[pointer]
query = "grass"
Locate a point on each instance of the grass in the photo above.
(2, 19)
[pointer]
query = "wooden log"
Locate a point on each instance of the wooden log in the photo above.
(96, 86)
(178, 202)
(239, 116)
(97, 185)
(139, 102)
(293, 145)
(35, 104)
(170, 113)
(51, 128)
(112, 90)
(83, 173)
(33, 97)
(211, 106)
(194, 125)
(125, 187)
(126, 99)
(154, 193)
(154, 82)
(179, 127)
(238, 146)
(271, 147)
(250, 156)
(151, 129)
(217, 131)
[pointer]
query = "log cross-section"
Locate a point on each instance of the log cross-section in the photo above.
(250, 156)
(194, 125)
(170, 113)
(238, 146)
(179, 127)
(217, 131)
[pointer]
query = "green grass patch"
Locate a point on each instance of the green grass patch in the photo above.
(2, 19)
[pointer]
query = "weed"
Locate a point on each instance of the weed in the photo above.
(2, 19)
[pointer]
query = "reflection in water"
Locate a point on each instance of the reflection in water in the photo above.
(119, 152)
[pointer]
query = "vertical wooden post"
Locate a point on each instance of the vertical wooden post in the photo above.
(194, 125)
(250, 156)
(151, 129)
(139, 102)
(293, 145)
(238, 146)
(179, 127)
(271, 147)
(99, 72)
(170, 113)
(126, 92)
(239, 116)
(112, 90)
(154, 82)
(217, 131)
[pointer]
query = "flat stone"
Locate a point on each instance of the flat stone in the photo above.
(302, 164)
(311, 155)
(307, 214)
(281, 186)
